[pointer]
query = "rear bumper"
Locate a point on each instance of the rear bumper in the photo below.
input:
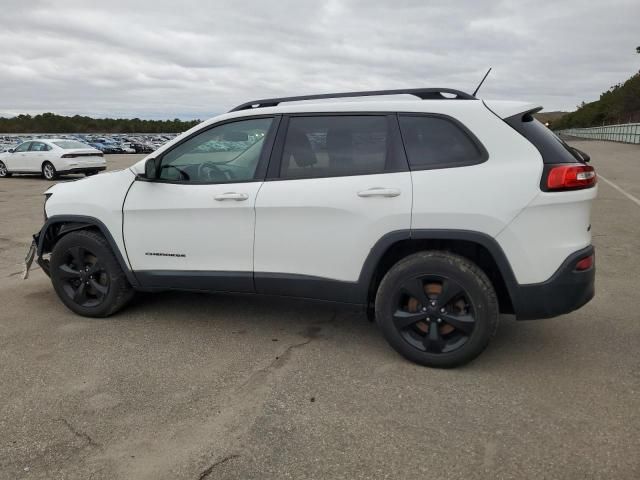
(85, 169)
(567, 290)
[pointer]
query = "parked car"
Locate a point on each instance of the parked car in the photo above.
(51, 158)
(436, 215)
(99, 146)
(127, 147)
(141, 147)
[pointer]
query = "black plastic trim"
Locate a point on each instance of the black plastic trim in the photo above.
(82, 221)
(196, 280)
(81, 170)
(59, 172)
(567, 290)
(310, 287)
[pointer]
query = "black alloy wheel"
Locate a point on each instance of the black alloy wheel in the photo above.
(87, 276)
(437, 308)
(434, 314)
(84, 279)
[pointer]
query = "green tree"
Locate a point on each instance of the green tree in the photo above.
(51, 123)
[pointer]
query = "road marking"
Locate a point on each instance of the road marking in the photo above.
(628, 195)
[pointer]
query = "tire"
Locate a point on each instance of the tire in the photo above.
(437, 309)
(87, 276)
(4, 172)
(49, 171)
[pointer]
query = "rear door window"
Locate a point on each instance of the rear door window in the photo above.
(337, 145)
(38, 147)
(438, 142)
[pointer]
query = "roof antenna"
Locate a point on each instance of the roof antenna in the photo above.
(481, 82)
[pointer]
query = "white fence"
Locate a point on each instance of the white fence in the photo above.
(626, 133)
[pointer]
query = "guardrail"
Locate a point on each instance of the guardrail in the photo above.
(625, 133)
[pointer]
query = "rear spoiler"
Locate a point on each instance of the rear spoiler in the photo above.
(504, 109)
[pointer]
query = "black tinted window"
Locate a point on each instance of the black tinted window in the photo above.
(550, 146)
(435, 142)
(331, 146)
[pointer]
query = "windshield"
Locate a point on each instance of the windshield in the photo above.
(70, 144)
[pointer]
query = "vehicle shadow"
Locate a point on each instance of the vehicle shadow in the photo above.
(515, 342)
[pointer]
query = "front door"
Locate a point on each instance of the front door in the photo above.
(17, 161)
(193, 227)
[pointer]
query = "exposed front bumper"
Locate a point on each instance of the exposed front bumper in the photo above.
(567, 290)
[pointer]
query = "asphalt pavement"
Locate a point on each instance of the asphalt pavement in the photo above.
(196, 386)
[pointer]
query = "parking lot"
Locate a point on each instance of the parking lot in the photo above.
(195, 386)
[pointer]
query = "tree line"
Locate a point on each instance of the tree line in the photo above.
(52, 123)
(619, 104)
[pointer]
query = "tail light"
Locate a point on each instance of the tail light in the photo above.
(585, 263)
(570, 177)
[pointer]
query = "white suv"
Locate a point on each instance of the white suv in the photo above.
(435, 214)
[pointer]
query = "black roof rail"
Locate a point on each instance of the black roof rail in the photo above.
(422, 93)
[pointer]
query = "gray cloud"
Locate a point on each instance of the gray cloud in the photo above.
(165, 59)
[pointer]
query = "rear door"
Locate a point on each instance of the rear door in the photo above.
(336, 184)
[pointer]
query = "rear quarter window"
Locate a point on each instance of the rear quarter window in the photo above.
(432, 141)
(552, 148)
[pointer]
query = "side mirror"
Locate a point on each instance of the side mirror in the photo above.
(150, 170)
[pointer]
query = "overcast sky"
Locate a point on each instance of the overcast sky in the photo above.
(195, 59)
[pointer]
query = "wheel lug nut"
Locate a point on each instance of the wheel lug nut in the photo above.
(439, 320)
(442, 310)
(424, 309)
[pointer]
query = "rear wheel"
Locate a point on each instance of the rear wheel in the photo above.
(87, 276)
(437, 309)
(49, 171)
(4, 172)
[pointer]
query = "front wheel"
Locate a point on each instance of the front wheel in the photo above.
(49, 171)
(437, 309)
(4, 172)
(87, 276)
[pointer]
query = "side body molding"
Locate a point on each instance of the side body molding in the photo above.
(482, 239)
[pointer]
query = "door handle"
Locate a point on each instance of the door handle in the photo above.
(238, 197)
(379, 192)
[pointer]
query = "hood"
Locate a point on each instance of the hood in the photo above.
(94, 181)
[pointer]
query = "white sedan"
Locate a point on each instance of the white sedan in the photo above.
(52, 157)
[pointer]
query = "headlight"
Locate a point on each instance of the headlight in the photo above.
(44, 206)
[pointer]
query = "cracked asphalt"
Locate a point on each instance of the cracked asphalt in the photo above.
(195, 386)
